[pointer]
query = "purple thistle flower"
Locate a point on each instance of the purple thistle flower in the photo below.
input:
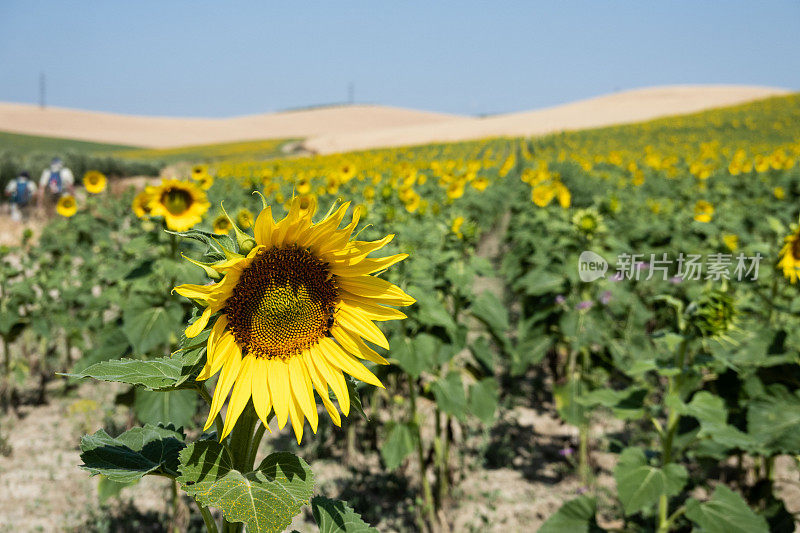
(585, 304)
(560, 299)
(675, 280)
(605, 297)
(566, 452)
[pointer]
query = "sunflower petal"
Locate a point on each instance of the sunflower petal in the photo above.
(347, 363)
(297, 418)
(240, 395)
(334, 377)
(279, 389)
(261, 399)
(225, 348)
(322, 388)
(302, 391)
(372, 287)
(365, 266)
(226, 379)
(199, 324)
(360, 325)
(371, 310)
(264, 227)
(353, 344)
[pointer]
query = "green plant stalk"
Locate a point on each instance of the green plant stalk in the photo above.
(240, 444)
(427, 494)
(6, 399)
(668, 436)
(175, 502)
(211, 525)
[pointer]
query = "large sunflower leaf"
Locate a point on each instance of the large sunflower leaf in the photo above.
(151, 327)
(265, 499)
(575, 516)
(726, 512)
(176, 406)
(135, 453)
(160, 374)
(639, 485)
(450, 395)
(333, 516)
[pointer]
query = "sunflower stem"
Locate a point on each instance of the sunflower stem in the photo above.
(218, 424)
(211, 524)
(240, 442)
(427, 493)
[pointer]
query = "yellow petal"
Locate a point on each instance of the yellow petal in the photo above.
(301, 389)
(370, 310)
(322, 388)
(226, 379)
(195, 292)
(347, 363)
(365, 266)
(264, 227)
(225, 348)
(199, 324)
(297, 418)
(360, 325)
(372, 287)
(278, 378)
(334, 377)
(261, 398)
(353, 344)
(214, 337)
(240, 395)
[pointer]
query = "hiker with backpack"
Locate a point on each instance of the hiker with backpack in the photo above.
(56, 180)
(20, 191)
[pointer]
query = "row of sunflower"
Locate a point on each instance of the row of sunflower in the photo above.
(281, 307)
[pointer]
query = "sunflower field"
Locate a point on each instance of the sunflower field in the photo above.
(419, 319)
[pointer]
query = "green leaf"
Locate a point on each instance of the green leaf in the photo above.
(176, 406)
(355, 397)
(483, 399)
(163, 373)
(491, 311)
(775, 420)
(432, 312)
(135, 453)
(333, 516)
(151, 327)
(424, 353)
(539, 282)
(107, 489)
(450, 396)
(726, 512)
(400, 442)
(639, 485)
(265, 499)
(575, 516)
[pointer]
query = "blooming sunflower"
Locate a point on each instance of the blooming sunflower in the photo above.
(221, 225)
(292, 317)
(182, 204)
(67, 206)
(245, 218)
(790, 256)
(94, 181)
(141, 202)
(703, 211)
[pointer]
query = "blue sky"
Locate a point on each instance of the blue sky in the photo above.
(204, 58)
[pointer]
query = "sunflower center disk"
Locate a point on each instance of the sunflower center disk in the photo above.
(282, 303)
(796, 249)
(176, 201)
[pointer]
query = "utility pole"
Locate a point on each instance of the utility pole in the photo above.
(42, 90)
(351, 93)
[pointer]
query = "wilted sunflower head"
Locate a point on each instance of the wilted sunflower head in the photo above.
(94, 181)
(182, 204)
(293, 316)
(67, 206)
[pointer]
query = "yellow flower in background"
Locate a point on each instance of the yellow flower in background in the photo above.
(182, 204)
(731, 241)
(303, 186)
(480, 184)
(199, 172)
(564, 196)
(790, 256)
(779, 193)
(542, 195)
(206, 181)
(245, 218)
(455, 227)
(94, 181)
(293, 317)
(703, 211)
(221, 225)
(67, 206)
(141, 202)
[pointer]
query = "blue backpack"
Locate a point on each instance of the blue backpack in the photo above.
(23, 194)
(54, 182)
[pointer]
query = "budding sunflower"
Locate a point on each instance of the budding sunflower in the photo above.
(588, 222)
(713, 315)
